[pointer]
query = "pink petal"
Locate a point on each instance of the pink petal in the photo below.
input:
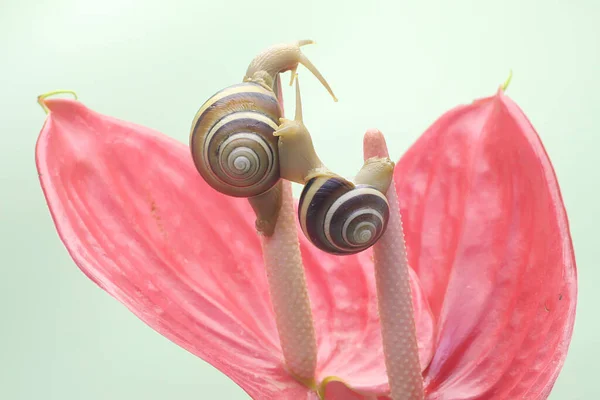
(347, 319)
(140, 222)
(336, 390)
(488, 235)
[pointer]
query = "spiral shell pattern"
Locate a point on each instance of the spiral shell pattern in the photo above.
(342, 218)
(232, 140)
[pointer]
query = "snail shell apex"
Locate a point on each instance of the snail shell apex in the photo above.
(232, 141)
(342, 218)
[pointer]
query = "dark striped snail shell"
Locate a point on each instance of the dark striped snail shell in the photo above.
(232, 140)
(340, 217)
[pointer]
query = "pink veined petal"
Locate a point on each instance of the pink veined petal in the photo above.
(488, 235)
(139, 221)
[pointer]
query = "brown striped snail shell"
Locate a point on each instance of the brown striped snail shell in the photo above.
(232, 140)
(340, 217)
(232, 136)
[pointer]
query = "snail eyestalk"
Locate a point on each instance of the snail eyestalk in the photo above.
(293, 75)
(306, 62)
(282, 58)
(297, 156)
(507, 81)
(42, 97)
(298, 101)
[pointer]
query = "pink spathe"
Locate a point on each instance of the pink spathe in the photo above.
(492, 271)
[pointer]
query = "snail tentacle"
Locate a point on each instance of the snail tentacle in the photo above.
(297, 156)
(282, 58)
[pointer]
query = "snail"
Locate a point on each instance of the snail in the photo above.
(232, 139)
(336, 215)
(342, 217)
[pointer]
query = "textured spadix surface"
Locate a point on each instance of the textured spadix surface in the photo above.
(493, 279)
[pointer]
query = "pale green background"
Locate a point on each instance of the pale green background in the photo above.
(394, 65)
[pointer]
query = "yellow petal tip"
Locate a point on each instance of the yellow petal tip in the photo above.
(44, 96)
(507, 81)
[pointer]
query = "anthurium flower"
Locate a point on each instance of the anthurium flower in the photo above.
(492, 273)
